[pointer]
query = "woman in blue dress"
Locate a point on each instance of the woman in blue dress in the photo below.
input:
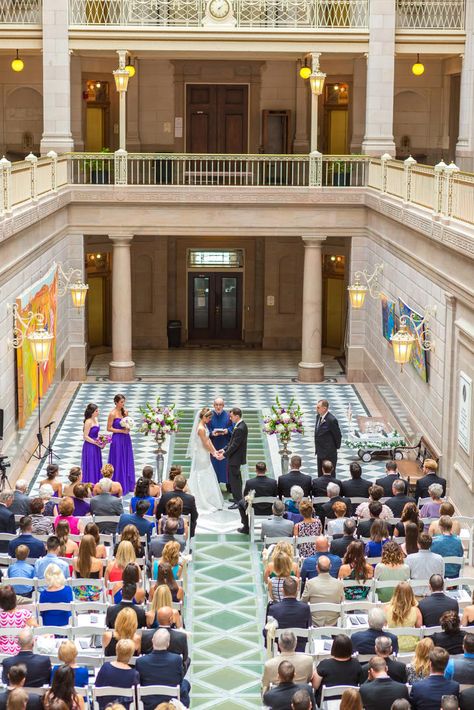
(220, 428)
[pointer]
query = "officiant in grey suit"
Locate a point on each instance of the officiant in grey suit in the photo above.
(236, 454)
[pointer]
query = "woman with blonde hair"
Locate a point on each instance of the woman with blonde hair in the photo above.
(446, 508)
(351, 700)
(107, 471)
(124, 556)
(56, 592)
(420, 666)
(170, 554)
(117, 674)
(403, 612)
(126, 625)
(310, 526)
(282, 568)
(391, 567)
(88, 566)
(67, 654)
(17, 699)
(281, 547)
(162, 597)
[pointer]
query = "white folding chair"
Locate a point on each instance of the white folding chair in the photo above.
(98, 584)
(46, 606)
(257, 517)
(327, 607)
(144, 691)
(330, 697)
(299, 633)
(113, 692)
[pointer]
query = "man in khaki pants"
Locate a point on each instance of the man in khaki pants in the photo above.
(323, 589)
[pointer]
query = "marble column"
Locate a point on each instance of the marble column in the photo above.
(57, 134)
(311, 368)
(378, 138)
(122, 367)
(133, 111)
(465, 144)
(301, 142)
(358, 103)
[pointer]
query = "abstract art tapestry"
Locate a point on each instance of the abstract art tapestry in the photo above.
(41, 297)
(418, 355)
(389, 325)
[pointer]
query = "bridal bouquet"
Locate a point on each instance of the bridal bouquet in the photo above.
(127, 423)
(158, 419)
(284, 421)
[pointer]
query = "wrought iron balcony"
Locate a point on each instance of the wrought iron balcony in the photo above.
(20, 12)
(430, 14)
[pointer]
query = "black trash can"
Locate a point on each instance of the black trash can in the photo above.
(174, 333)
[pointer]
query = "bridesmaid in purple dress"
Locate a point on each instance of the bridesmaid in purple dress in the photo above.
(121, 452)
(91, 449)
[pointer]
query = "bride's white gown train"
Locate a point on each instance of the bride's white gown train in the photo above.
(203, 480)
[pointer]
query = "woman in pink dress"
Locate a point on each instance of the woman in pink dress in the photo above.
(12, 617)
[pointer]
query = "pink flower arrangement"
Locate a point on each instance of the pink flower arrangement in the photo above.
(284, 421)
(158, 419)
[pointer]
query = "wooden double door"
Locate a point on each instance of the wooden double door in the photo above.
(215, 306)
(216, 118)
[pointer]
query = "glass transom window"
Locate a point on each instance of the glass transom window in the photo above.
(225, 258)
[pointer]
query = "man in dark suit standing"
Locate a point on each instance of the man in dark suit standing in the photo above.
(327, 435)
(294, 477)
(291, 613)
(38, 668)
(7, 518)
(236, 454)
(430, 475)
(426, 694)
(264, 487)
(387, 481)
(380, 691)
(189, 502)
(160, 667)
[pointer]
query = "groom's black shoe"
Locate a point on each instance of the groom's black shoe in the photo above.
(234, 506)
(244, 531)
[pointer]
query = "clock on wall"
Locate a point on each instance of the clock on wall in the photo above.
(219, 11)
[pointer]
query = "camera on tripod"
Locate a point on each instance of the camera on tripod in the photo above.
(3, 464)
(3, 471)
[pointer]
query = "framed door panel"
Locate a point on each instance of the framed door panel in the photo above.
(214, 306)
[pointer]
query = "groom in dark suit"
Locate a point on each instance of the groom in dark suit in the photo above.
(327, 436)
(236, 454)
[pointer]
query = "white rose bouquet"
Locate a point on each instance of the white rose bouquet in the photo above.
(284, 421)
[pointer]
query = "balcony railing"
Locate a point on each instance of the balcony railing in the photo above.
(315, 14)
(430, 14)
(444, 191)
(20, 12)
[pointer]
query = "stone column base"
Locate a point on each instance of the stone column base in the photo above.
(60, 143)
(311, 372)
(121, 371)
(378, 146)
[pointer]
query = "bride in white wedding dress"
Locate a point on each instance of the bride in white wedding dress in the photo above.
(203, 481)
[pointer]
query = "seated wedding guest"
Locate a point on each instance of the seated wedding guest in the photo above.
(356, 486)
(107, 471)
(53, 548)
(411, 545)
(174, 510)
(130, 533)
(40, 525)
(336, 526)
(451, 637)
(79, 498)
(419, 666)
(430, 470)
(162, 668)
(320, 484)
(171, 555)
(12, 616)
(74, 476)
(341, 668)
(350, 700)
(333, 492)
(364, 526)
(65, 510)
(128, 595)
(281, 696)
(35, 546)
(432, 509)
(125, 627)
(282, 568)
(426, 694)
(124, 556)
(63, 688)
(399, 499)
(291, 613)
(402, 611)
(260, 486)
(16, 680)
(21, 502)
(52, 474)
(168, 485)
(142, 492)
(410, 514)
(461, 669)
(323, 589)
(277, 526)
(309, 566)
(67, 654)
(448, 545)
(468, 613)
(7, 519)
(88, 566)
(118, 674)
(294, 477)
(46, 493)
(137, 519)
(189, 502)
(92, 529)
(131, 575)
(17, 699)
(105, 504)
(162, 599)
(445, 509)
(436, 603)
(379, 536)
(286, 548)
(339, 545)
(364, 641)
(381, 690)
(302, 662)
(21, 568)
(310, 526)
(392, 474)
(466, 699)
(375, 494)
(395, 670)
(67, 547)
(56, 592)
(392, 567)
(38, 668)
(292, 504)
(354, 566)
(155, 488)
(156, 545)
(165, 619)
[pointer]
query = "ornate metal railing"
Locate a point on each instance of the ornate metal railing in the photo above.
(318, 14)
(20, 12)
(430, 14)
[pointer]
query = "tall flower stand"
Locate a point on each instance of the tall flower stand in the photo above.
(160, 458)
(285, 455)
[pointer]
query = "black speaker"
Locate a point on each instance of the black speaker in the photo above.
(1, 423)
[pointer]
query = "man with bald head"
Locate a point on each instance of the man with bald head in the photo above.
(178, 638)
(323, 589)
(38, 668)
(220, 429)
(309, 568)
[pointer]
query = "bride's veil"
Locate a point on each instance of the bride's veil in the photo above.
(192, 443)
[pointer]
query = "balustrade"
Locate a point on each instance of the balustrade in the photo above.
(20, 12)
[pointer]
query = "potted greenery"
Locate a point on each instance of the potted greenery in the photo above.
(97, 171)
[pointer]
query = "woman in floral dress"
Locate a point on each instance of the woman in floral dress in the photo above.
(310, 526)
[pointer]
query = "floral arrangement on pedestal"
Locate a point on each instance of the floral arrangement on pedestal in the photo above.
(159, 420)
(284, 421)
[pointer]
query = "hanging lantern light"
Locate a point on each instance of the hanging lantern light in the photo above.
(78, 293)
(357, 292)
(418, 68)
(17, 63)
(121, 77)
(402, 343)
(40, 341)
(305, 70)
